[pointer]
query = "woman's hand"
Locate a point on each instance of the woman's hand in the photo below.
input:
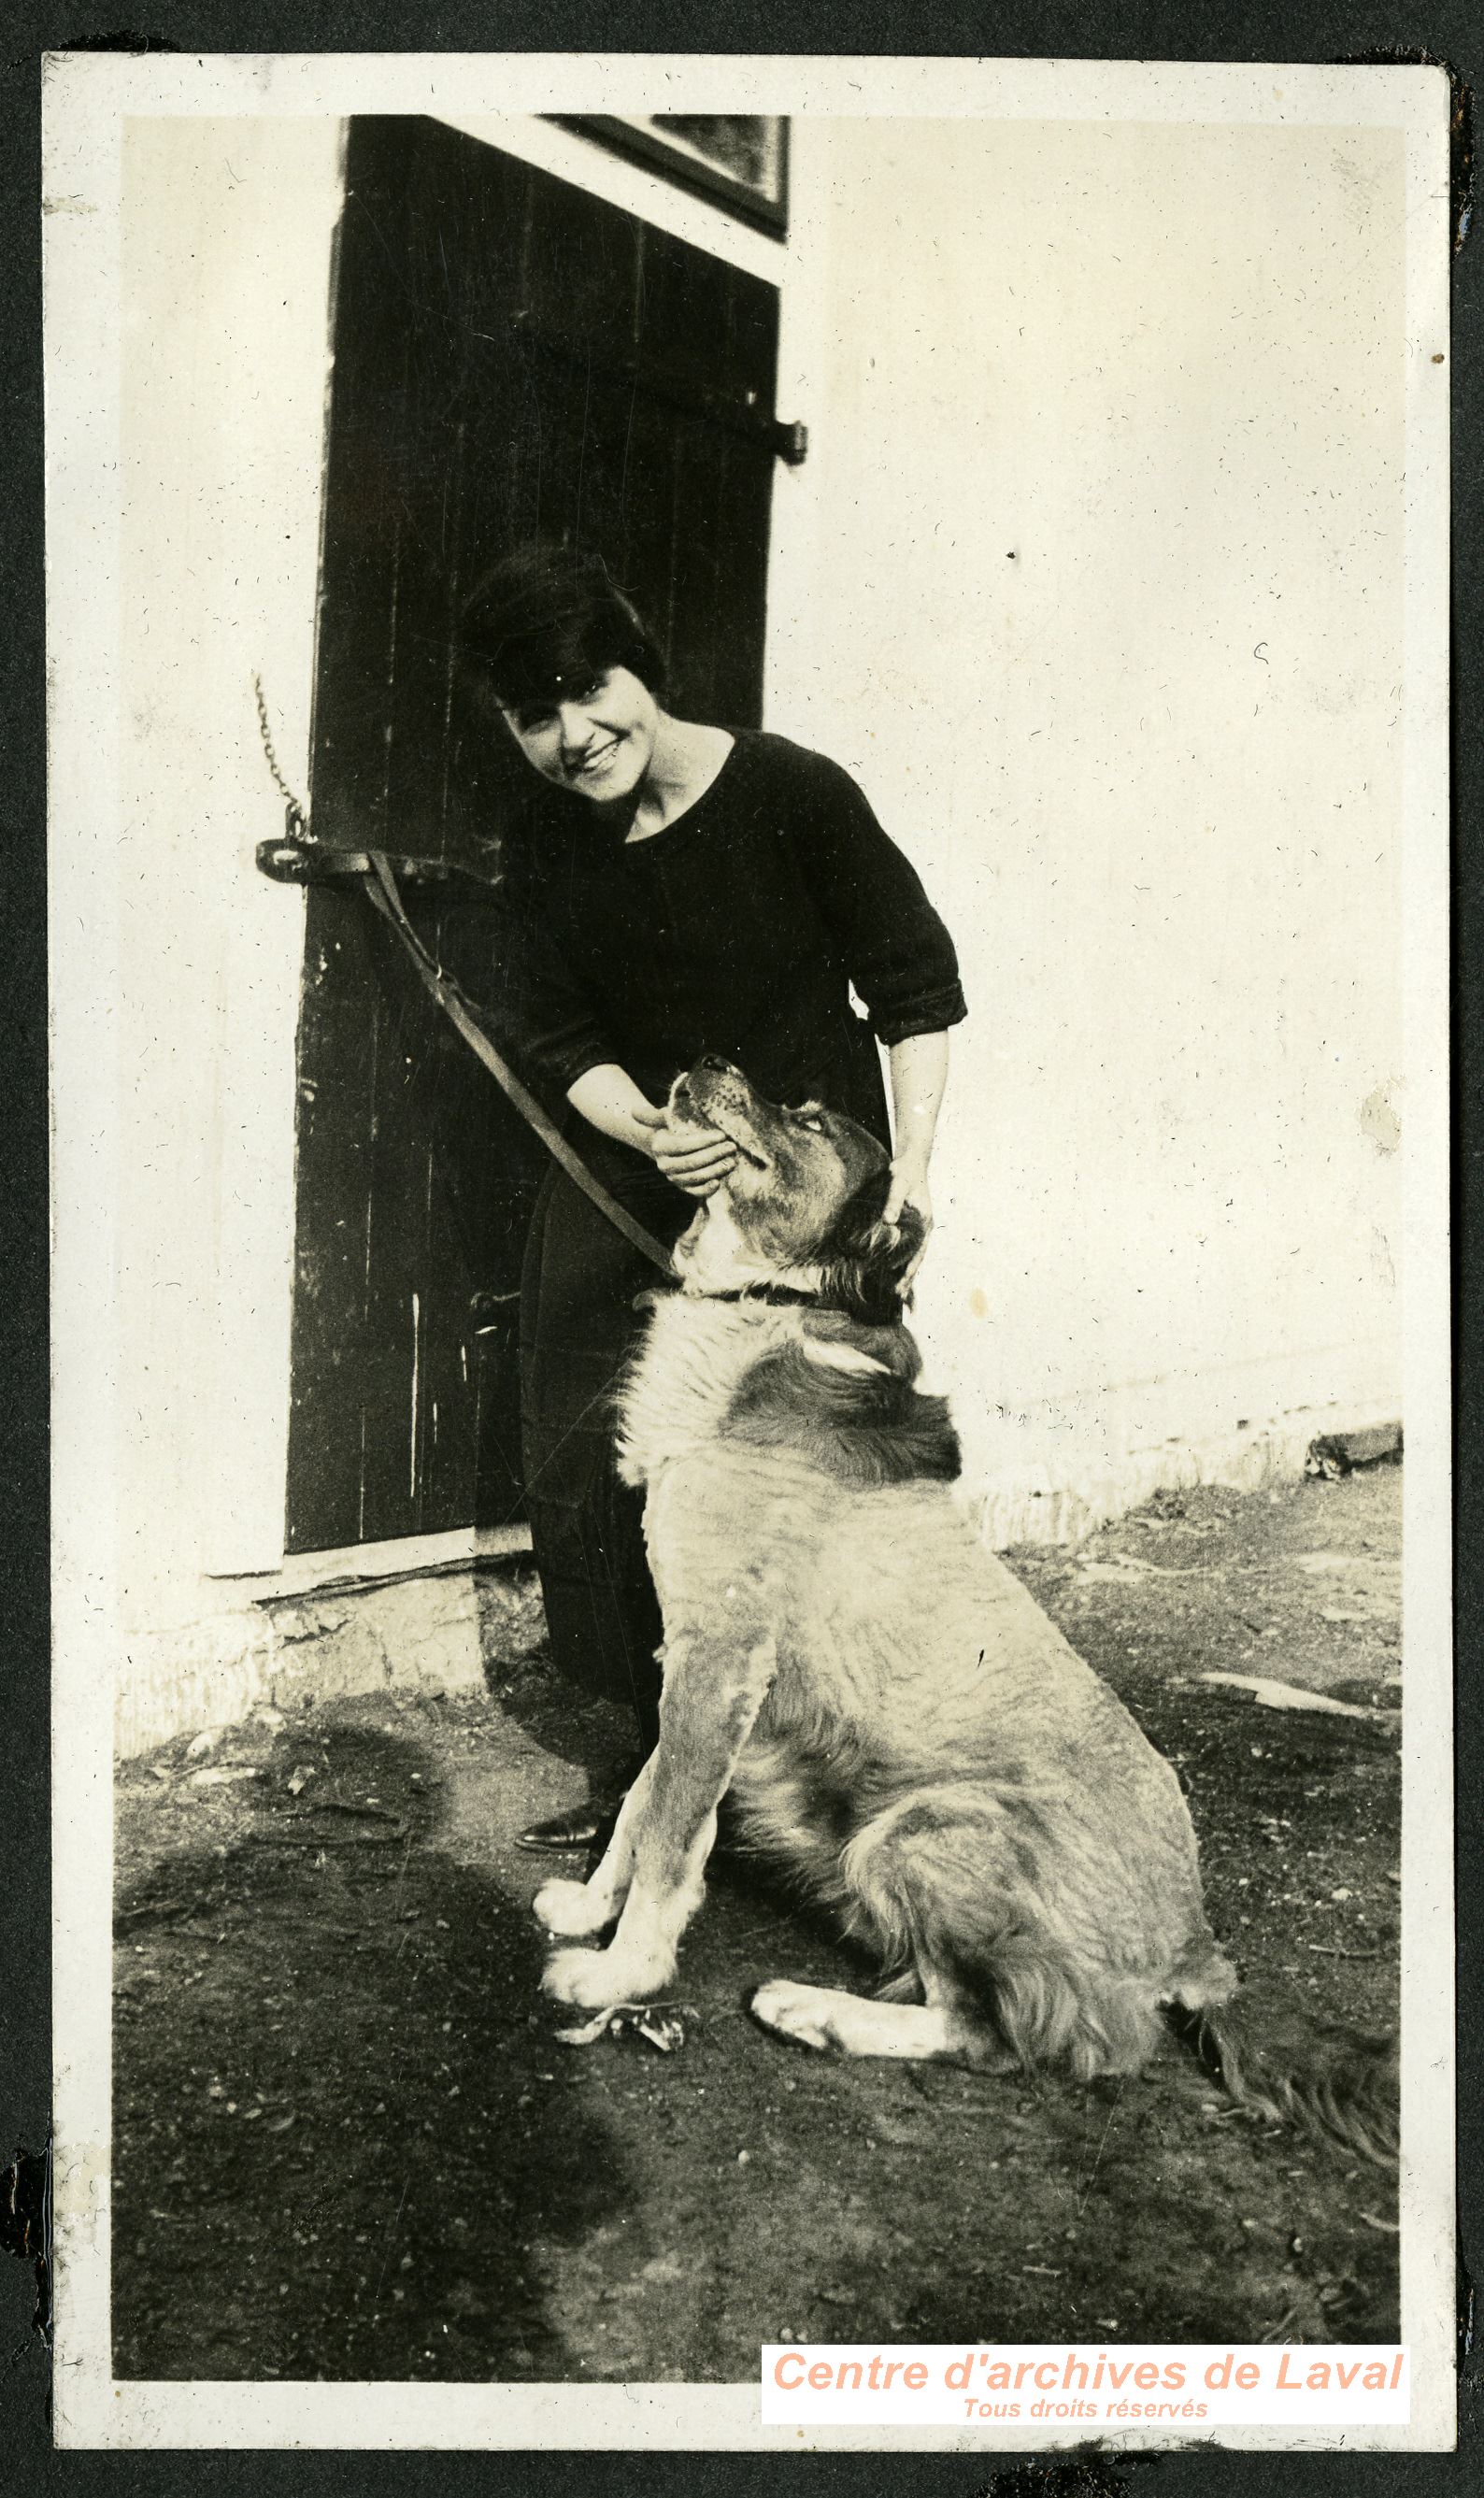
(908, 1187)
(696, 1158)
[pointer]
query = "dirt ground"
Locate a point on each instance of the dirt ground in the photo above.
(347, 2144)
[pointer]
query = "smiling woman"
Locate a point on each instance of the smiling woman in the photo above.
(679, 888)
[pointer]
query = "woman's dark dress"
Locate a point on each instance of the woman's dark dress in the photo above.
(739, 928)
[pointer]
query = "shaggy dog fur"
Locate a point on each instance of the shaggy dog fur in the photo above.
(895, 1719)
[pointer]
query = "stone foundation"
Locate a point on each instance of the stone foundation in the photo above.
(427, 1633)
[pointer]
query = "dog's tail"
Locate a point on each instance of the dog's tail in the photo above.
(1343, 2091)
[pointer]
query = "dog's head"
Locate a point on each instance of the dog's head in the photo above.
(802, 1205)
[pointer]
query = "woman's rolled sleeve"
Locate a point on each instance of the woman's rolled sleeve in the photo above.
(931, 1011)
(899, 955)
(556, 1027)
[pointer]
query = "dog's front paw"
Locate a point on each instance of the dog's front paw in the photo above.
(586, 1978)
(570, 1908)
(595, 1980)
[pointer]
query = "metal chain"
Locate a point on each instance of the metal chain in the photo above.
(298, 816)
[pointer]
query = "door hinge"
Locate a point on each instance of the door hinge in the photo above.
(681, 389)
(297, 860)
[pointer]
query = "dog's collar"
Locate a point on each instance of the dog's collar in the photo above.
(785, 1297)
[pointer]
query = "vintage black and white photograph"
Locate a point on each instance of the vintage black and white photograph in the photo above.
(749, 852)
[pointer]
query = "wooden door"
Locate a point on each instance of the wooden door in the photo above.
(512, 359)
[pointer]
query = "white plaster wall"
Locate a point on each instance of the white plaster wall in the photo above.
(225, 239)
(1093, 577)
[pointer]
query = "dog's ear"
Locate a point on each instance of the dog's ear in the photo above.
(864, 1259)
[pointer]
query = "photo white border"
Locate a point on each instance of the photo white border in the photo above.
(86, 99)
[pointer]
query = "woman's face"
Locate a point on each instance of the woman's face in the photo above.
(597, 739)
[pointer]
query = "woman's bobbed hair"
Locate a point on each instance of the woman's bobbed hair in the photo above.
(547, 621)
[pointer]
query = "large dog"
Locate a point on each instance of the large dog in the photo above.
(894, 1717)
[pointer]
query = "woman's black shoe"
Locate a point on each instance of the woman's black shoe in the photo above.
(586, 1825)
(582, 1825)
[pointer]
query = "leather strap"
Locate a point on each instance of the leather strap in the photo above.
(380, 888)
